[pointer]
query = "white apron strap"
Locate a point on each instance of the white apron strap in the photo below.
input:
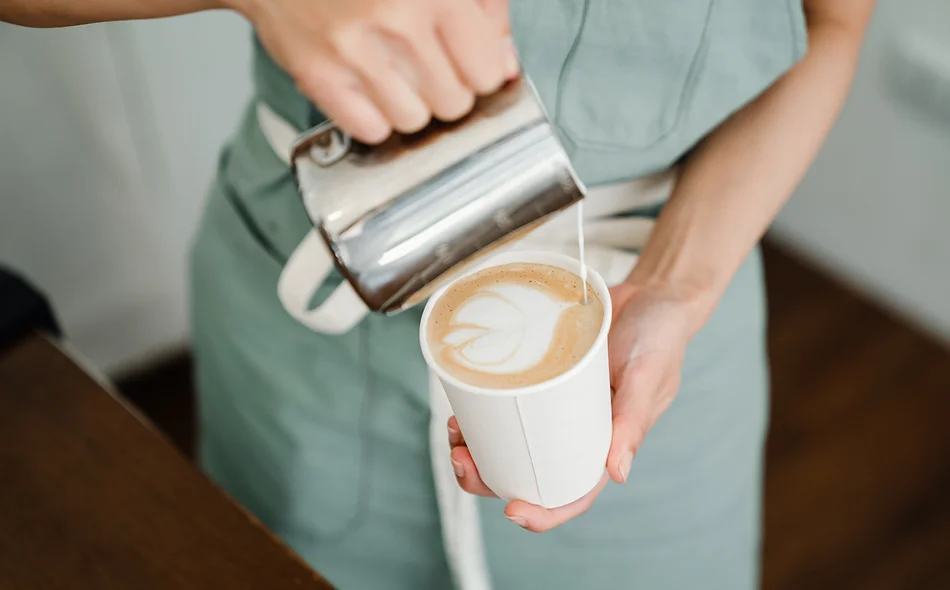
(458, 510)
(279, 133)
(306, 269)
(311, 262)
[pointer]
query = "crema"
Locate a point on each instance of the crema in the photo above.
(514, 325)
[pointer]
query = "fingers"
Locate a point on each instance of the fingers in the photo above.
(538, 519)
(497, 13)
(439, 84)
(343, 98)
(532, 517)
(455, 433)
(384, 66)
(387, 75)
(465, 470)
(512, 63)
(467, 474)
(475, 45)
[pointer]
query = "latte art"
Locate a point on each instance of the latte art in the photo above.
(514, 325)
(503, 328)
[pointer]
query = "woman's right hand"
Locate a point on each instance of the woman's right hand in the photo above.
(374, 66)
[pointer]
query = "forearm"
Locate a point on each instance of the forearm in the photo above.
(64, 13)
(734, 184)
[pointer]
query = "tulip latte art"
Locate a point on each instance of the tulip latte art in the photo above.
(514, 325)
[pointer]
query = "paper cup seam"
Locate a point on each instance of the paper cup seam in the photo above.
(527, 444)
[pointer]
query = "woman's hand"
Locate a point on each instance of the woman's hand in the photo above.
(651, 327)
(375, 66)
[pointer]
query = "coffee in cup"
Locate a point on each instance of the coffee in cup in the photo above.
(514, 325)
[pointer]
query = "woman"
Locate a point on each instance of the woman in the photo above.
(325, 437)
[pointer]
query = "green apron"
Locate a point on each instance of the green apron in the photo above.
(325, 438)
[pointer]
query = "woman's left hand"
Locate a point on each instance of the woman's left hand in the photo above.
(651, 327)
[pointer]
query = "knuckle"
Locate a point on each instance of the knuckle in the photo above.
(348, 41)
(637, 432)
(632, 429)
(405, 26)
(308, 68)
(309, 81)
(404, 21)
(322, 88)
(445, 8)
(639, 377)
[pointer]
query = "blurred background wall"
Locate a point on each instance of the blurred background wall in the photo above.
(875, 207)
(109, 136)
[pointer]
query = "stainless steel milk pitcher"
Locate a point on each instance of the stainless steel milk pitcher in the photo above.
(401, 217)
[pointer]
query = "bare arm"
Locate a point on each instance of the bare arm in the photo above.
(734, 184)
(65, 13)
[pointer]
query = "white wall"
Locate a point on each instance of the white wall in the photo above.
(108, 138)
(875, 208)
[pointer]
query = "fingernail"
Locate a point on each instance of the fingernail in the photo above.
(519, 521)
(459, 469)
(512, 66)
(454, 436)
(624, 465)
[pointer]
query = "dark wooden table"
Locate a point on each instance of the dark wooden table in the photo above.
(92, 497)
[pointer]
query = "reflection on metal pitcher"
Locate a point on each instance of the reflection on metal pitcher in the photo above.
(400, 217)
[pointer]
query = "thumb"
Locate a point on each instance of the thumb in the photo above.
(632, 418)
(628, 435)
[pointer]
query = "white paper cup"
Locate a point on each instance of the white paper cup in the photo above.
(546, 443)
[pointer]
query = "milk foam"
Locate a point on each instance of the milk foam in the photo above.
(504, 328)
(514, 325)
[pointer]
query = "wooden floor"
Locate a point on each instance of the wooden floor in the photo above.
(858, 481)
(858, 484)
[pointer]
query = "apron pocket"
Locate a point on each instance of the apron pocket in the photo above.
(631, 71)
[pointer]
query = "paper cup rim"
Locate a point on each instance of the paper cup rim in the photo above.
(527, 256)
